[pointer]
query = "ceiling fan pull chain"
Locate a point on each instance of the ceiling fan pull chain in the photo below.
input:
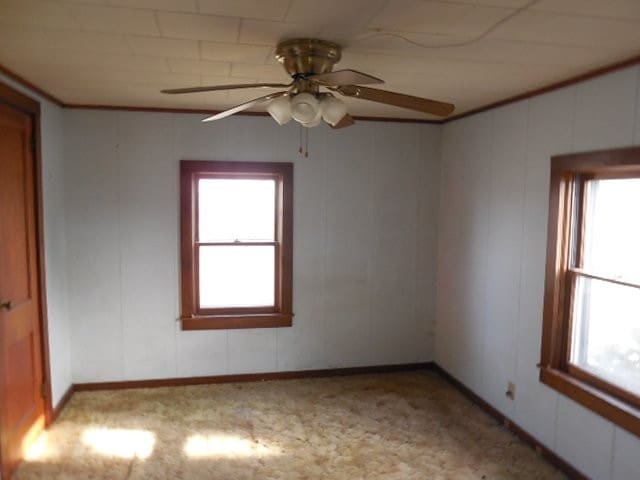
(300, 141)
(306, 143)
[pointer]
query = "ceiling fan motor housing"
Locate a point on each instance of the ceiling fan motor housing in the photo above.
(306, 56)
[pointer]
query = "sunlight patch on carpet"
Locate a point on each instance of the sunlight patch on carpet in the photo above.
(225, 446)
(120, 443)
(41, 449)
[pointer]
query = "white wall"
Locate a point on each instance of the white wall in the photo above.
(51, 120)
(491, 258)
(365, 208)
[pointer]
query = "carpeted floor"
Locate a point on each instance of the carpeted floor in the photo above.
(390, 426)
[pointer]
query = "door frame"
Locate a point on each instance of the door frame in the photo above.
(19, 101)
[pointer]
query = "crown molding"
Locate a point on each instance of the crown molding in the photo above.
(27, 84)
(550, 87)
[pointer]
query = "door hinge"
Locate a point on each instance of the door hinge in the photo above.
(43, 390)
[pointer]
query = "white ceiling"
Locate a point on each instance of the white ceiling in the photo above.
(122, 52)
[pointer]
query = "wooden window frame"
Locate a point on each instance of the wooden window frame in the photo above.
(280, 314)
(566, 200)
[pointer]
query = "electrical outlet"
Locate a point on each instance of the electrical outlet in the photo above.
(511, 391)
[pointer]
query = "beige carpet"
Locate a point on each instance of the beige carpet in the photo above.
(391, 426)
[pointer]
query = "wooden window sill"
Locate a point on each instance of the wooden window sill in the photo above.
(222, 322)
(608, 406)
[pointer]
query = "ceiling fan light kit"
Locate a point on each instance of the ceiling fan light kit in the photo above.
(310, 63)
(307, 109)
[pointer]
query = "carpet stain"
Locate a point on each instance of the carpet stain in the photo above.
(405, 426)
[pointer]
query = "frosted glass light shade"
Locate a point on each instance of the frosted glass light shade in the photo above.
(304, 107)
(333, 110)
(280, 110)
(315, 122)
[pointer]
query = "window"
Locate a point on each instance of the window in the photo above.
(236, 244)
(591, 332)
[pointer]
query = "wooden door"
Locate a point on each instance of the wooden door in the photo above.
(22, 405)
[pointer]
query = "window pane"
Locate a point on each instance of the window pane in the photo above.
(241, 276)
(236, 209)
(606, 332)
(612, 228)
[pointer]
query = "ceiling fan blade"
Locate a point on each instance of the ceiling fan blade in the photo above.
(346, 121)
(245, 106)
(344, 77)
(224, 87)
(410, 102)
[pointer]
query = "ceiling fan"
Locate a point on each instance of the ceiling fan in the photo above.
(310, 63)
